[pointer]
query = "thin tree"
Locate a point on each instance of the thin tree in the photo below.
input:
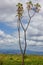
(30, 6)
(19, 14)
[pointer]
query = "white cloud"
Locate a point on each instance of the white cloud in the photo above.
(7, 38)
(8, 14)
(8, 41)
(2, 33)
(36, 48)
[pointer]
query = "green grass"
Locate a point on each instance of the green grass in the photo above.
(10, 59)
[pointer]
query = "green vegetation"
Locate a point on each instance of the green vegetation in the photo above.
(10, 59)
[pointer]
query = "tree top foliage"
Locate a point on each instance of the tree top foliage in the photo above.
(30, 6)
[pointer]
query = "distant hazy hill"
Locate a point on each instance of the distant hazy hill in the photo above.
(4, 51)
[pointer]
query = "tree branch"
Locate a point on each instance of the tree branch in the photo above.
(33, 15)
(25, 41)
(28, 24)
(22, 26)
(30, 19)
(19, 37)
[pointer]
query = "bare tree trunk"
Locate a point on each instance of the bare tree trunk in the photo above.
(22, 52)
(23, 59)
(19, 36)
(23, 55)
(25, 41)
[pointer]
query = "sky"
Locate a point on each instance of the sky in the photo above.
(9, 31)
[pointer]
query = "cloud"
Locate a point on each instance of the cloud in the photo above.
(7, 38)
(35, 30)
(1, 33)
(7, 10)
(36, 48)
(8, 41)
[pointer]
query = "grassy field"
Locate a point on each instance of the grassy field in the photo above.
(9, 59)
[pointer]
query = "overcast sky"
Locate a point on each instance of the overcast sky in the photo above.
(8, 26)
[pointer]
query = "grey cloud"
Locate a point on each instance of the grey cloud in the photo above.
(8, 13)
(36, 48)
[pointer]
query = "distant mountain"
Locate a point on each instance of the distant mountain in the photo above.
(4, 51)
(34, 52)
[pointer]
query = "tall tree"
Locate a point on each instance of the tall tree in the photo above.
(19, 14)
(30, 7)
